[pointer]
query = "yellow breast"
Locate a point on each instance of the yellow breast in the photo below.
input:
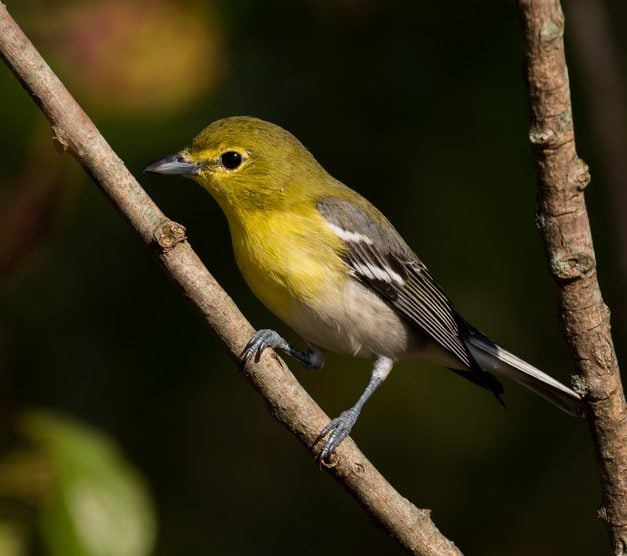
(288, 257)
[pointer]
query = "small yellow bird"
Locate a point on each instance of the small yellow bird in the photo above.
(332, 267)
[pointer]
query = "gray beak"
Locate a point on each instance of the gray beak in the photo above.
(173, 164)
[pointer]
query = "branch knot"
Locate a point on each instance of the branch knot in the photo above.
(580, 174)
(168, 234)
(567, 266)
(60, 140)
(542, 137)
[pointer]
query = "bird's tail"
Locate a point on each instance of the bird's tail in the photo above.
(493, 358)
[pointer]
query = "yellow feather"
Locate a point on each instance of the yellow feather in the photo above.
(280, 256)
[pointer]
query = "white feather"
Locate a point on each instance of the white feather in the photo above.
(493, 358)
(369, 270)
(348, 236)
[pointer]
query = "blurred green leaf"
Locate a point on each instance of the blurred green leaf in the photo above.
(98, 505)
(12, 541)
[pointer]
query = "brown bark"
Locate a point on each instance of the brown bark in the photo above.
(75, 133)
(563, 221)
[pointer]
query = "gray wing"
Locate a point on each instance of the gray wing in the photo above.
(383, 262)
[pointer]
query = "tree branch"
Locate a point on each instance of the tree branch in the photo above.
(563, 222)
(75, 133)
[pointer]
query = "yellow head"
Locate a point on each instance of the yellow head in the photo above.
(247, 164)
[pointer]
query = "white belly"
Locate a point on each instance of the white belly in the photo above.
(357, 321)
(353, 320)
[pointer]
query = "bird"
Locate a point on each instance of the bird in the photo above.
(332, 267)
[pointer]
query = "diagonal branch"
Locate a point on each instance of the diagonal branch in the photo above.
(563, 222)
(75, 133)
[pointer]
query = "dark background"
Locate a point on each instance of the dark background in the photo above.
(419, 106)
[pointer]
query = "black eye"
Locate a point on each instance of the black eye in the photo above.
(231, 160)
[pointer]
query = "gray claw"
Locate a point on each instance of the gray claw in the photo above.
(261, 340)
(340, 428)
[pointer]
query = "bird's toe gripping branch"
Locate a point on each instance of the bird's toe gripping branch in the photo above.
(313, 358)
(339, 428)
(263, 339)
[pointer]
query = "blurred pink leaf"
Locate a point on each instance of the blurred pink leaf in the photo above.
(137, 56)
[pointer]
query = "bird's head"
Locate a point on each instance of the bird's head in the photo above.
(244, 163)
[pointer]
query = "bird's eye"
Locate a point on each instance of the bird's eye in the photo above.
(231, 160)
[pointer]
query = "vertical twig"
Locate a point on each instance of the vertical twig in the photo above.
(563, 222)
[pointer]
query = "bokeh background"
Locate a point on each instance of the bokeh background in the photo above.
(126, 430)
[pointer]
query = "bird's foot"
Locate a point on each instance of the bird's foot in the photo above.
(340, 428)
(263, 339)
(313, 358)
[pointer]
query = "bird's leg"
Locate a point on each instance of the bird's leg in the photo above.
(341, 426)
(313, 358)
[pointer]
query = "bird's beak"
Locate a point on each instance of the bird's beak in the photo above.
(174, 164)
